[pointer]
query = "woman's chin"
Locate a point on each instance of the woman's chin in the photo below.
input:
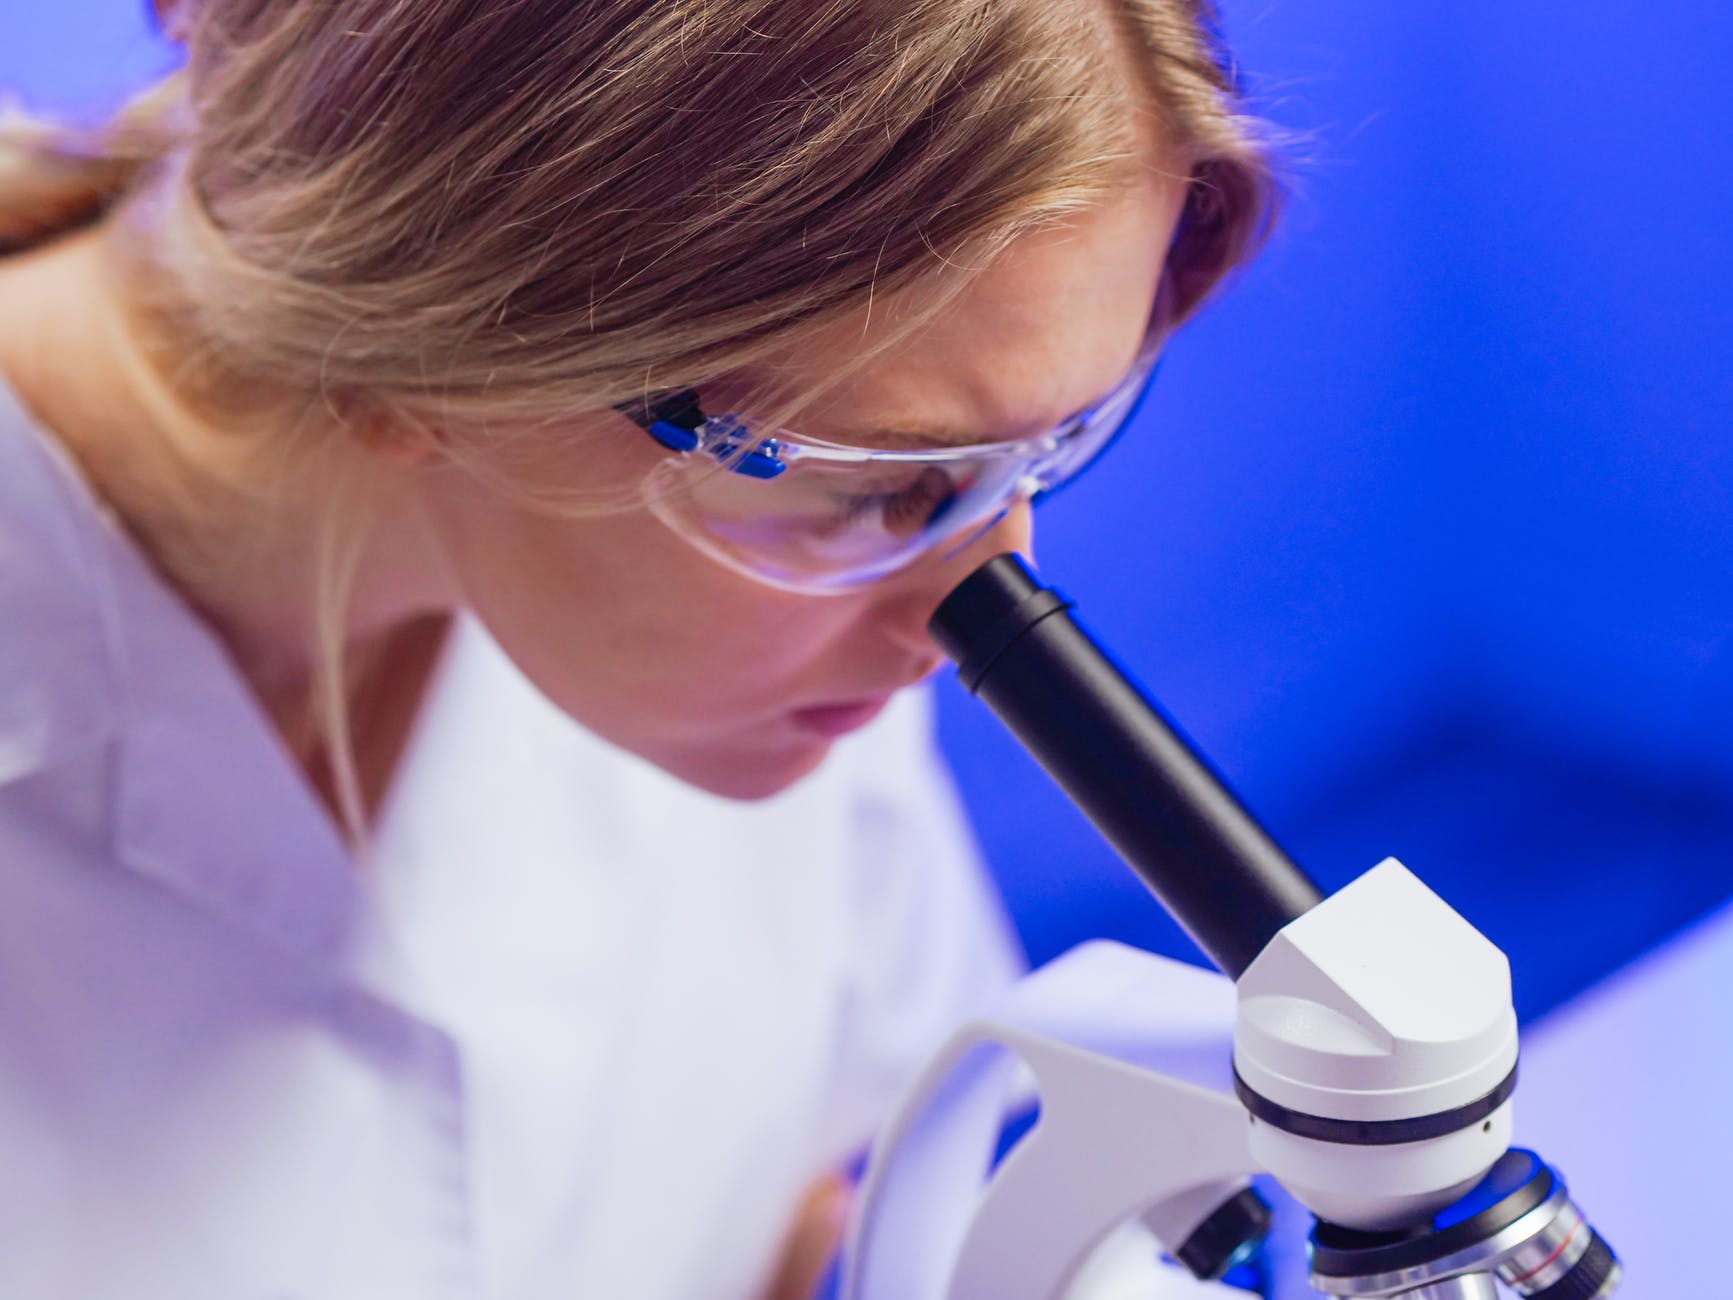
(748, 775)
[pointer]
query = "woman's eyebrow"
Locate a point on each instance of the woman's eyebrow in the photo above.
(896, 433)
(917, 434)
(900, 433)
(909, 435)
(846, 428)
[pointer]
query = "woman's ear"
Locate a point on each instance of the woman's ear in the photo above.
(401, 442)
(395, 436)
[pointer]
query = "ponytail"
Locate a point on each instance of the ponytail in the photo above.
(56, 178)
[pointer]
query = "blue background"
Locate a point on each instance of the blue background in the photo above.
(1424, 534)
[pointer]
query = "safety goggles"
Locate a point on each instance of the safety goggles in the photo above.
(816, 517)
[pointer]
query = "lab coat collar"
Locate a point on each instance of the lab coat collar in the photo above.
(98, 651)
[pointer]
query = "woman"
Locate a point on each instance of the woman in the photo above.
(402, 384)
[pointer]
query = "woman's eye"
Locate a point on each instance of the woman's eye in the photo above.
(907, 508)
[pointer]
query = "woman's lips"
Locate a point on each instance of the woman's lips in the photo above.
(832, 720)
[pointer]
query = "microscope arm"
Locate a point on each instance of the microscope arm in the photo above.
(1120, 1139)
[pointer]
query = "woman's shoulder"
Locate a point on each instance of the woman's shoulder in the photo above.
(56, 657)
(106, 672)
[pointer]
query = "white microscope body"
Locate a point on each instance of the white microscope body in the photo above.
(1379, 1005)
(1373, 1060)
(1380, 1008)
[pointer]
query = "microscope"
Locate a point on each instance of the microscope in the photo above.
(1373, 1063)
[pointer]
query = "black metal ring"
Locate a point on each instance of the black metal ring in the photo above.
(1346, 1252)
(1373, 1132)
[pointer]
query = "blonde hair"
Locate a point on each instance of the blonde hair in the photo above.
(484, 217)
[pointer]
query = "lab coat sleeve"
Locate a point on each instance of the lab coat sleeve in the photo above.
(927, 940)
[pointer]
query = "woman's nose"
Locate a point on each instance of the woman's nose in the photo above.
(909, 598)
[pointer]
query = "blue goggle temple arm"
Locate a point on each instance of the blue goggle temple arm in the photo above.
(675, 420)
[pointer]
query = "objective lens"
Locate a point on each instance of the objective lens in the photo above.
(1567, 1261)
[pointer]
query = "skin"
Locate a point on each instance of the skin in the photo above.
(663, 651)
(623, 625)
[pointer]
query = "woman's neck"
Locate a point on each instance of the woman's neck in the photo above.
(242, 554)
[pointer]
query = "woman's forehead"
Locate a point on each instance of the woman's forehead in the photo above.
(1043, 332)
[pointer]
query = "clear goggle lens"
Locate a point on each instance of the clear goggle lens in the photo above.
(834, 517)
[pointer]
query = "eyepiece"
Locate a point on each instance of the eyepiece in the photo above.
(1122, 761)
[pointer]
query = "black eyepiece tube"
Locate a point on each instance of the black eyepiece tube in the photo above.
(1122, 761)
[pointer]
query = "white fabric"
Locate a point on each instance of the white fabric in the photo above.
(578, 1031)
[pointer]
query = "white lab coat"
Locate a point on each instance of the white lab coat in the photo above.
(576, 1031)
